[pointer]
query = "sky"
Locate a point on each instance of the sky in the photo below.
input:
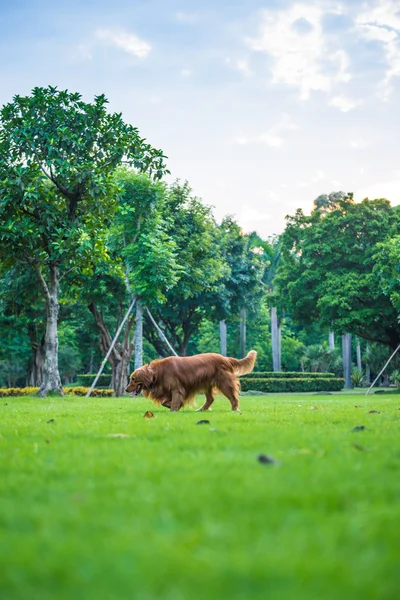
(262, 105)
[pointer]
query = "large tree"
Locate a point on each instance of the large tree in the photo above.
(57, 157)
(142, 266)
(327, 273)
(198, 251)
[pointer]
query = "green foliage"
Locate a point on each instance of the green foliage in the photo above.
(327, 272)
(357, 377)
(395, 378)
(87, 379)
(321, 357)
(286, 375)
(293, 384)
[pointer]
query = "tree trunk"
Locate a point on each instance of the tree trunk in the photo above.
(347, 364)
(276, 359)
(359, 363)
(139, 335)
(35, 375)
(331, 340)
(243, 332)
(120, 373)
(51, 376)
(222, 336)
(91, 358)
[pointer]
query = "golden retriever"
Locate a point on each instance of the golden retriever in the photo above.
(174, 381)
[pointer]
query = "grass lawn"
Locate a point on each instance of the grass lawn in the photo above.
(181, 511)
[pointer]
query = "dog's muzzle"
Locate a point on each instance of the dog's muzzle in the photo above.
(137, 391)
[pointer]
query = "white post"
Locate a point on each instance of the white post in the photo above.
(331, 340)
(222, 336)
(139, 336)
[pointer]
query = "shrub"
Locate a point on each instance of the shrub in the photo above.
(87, 379)
(72, 391)
(82, 391)
(315, 384)
(395, 378)
(357, 377)
(286, 375)
(26, 391)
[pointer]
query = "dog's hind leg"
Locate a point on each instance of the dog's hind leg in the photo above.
(209, 400)
(230, 388)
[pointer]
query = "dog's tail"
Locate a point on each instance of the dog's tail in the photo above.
(244, 365)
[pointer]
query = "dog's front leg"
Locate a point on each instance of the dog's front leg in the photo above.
(177, 401)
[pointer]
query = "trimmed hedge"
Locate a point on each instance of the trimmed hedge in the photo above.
(315, 384)
(72, 391)
(86, 379)
(287, 375)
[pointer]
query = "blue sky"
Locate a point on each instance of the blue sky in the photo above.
(261, 105)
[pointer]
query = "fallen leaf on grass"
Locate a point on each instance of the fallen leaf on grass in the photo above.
(50, 421)
(6, 404)
(361, 448)
(304, 451)
(117, 435)
(148, 414)
(203, 422)
(314, 408)
(374, 412)
(359, 428)
(266, 460)
(47, 441)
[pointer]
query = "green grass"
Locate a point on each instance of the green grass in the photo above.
(179, 511)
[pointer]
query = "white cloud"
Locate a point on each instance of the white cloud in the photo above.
(358, 144)
(344, 103)
(271, 140)
(381, 23)
(242, 140)
(243, 66)
(186, 73)
(128, 42)
(303, 56)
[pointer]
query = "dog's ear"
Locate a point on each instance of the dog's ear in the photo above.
(147, 375)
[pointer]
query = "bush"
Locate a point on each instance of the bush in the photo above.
(87, 379)
(287, 375)
(314, 384)
(72, 391)
(82, 391)
(26, 391)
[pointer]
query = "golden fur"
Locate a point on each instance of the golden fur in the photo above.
(174, 381)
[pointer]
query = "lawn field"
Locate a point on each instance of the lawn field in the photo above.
(173, 510)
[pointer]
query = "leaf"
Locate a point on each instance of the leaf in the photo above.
(148, 414)
(374, 412)
(359, 428)
(51, 421)
(203, 422)
(361, 448)
(266, 459)
(117, 435)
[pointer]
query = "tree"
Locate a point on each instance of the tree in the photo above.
(57, 158)
(196, 294)
(142, 265)
(327, 274)
(242, 287)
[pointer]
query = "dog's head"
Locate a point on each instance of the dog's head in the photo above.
(140, 379)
